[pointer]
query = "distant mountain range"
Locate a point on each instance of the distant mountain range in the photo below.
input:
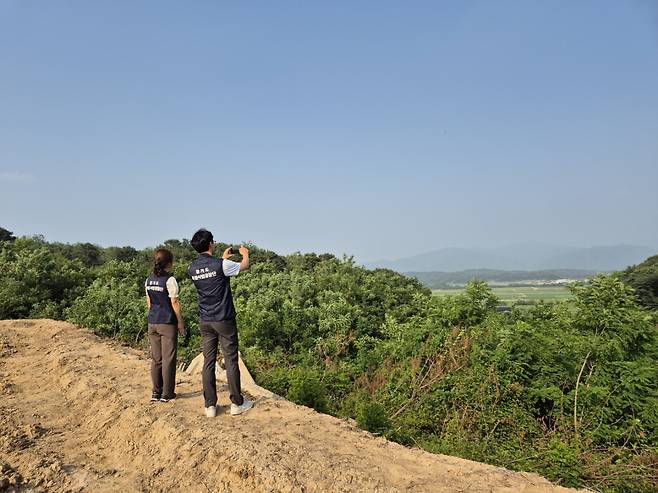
(526, 256)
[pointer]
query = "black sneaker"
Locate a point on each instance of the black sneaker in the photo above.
(155, 397)
(167, 399)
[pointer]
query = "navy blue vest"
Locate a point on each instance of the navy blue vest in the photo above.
(161, 311)
(213, 287)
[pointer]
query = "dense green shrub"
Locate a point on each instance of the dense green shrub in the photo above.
(562, 463)
(372, 417)
(35, 282)
(114, 304)
(306, 388)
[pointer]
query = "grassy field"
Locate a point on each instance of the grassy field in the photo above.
(510, 295)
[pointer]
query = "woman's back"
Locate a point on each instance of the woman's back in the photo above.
(159, 288)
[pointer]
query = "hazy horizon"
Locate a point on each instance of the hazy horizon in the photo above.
(378, 130)
(360, 260)
(514, 244)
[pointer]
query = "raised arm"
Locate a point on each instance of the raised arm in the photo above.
(244, 264)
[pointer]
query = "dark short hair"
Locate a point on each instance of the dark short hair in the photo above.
(201, 240)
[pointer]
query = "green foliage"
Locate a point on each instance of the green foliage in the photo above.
(307, 389)
(372, 417)
(562, 463)
(644, 279)
(89, 254)
(122, 254)
(6, 235)
(566, 389)
(114, 304)
(35, 282)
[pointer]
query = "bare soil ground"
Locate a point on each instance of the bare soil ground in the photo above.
(75, 416)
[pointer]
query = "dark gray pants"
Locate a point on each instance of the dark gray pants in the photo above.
(164, 338)
(226, 333)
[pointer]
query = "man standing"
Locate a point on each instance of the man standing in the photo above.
(217, 319)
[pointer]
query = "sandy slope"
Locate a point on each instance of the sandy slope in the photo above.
(75, 416)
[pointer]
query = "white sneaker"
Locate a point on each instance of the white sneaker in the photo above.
(211, 411)
(244, 407)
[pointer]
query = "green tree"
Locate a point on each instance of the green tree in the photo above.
(6, 235)
(122, 254)
(35, 282)
(644, 279)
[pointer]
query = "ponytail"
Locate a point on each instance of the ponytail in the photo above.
(162, 258)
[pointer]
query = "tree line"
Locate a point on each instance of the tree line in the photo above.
(566, 389)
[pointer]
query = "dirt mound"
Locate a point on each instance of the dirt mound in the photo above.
(75, 416)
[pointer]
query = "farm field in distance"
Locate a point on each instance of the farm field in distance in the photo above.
(510, 295)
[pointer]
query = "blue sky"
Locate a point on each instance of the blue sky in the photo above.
(378, 129)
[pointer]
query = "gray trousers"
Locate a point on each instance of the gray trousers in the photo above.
(164, 338)
(226, 334)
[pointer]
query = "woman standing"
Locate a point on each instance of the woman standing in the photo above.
(165, 322)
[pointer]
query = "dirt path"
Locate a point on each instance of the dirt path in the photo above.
(75, 416)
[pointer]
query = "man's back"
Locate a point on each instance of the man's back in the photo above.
(214, 288)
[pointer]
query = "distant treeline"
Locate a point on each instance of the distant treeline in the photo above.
(439, 280)
(568, 390)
